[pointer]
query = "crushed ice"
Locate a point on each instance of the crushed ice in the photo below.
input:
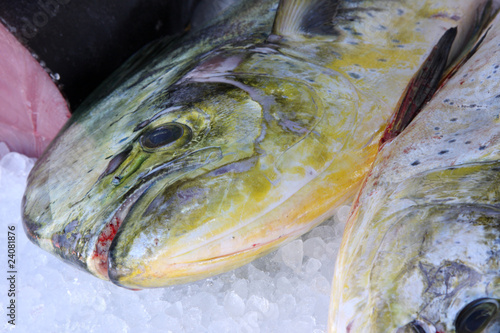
(285, 291)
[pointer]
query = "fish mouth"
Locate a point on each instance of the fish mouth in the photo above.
(98, 262)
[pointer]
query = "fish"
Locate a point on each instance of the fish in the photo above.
(202, 153)
(421, 249)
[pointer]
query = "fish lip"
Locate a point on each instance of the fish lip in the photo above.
(99, 259)
(98, 262)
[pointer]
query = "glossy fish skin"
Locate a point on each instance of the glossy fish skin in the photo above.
(421, 250)
(268, 134)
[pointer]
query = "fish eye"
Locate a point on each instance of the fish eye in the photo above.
(476, 315)
(164, 136)
(415, 326)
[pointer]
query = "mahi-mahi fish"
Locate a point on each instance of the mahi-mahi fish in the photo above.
(203, 153)
(421, 251)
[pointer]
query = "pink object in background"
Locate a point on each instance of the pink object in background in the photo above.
(32, 110)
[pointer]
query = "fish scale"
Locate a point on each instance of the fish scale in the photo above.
(300, 107)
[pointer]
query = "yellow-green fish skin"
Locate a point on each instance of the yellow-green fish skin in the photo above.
(422, 245)
(274, 132)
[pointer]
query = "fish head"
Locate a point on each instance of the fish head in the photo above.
(139, 168)
(171, 186)
(439, 276)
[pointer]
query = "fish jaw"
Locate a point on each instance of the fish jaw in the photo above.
(211, 256)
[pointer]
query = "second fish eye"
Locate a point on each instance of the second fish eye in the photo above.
(164, 135)
(476, 315)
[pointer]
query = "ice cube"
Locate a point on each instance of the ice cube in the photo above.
(312, 266)
(233, 304)
(314, 247)
(292, 254)
(240, 287)
(16, 164)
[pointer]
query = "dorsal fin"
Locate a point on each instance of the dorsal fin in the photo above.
(298, 17)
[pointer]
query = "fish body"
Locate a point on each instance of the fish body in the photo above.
(421, 250)
(203, 153)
